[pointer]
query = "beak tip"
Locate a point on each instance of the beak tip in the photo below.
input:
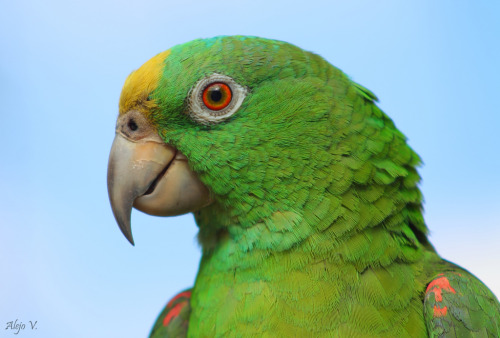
(128, 236)
(130, 239)
(123, 220)
(127, 231)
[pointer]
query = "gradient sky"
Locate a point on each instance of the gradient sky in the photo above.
(64, 263)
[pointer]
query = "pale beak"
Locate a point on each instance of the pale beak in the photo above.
(151, 176)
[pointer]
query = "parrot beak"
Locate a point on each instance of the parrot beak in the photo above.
(149, 175)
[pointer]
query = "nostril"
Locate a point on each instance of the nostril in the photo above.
(132, 125)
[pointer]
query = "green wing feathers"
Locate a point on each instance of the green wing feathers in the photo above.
(173, 320)
(457, 304)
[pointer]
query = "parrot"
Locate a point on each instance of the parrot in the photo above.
(305, 194)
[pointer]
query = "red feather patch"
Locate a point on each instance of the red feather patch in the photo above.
(440, 312)
(183, 299)
(174, 312)
(186, 294)
(437, 286)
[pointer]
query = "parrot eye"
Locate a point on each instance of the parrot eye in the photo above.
(217, 96)
(214, 99)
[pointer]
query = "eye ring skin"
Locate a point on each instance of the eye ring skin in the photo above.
(200, 113)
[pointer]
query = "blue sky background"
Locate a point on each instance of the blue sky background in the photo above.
(63, 261)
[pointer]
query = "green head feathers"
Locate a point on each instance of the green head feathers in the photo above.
(307, 151)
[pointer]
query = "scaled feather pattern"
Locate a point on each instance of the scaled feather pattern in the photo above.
(316, 226)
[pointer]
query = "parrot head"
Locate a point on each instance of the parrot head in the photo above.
(244, 131)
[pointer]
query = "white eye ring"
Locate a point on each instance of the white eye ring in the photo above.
(200, 113)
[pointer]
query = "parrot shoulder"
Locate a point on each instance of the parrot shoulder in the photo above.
(173, 320)
(457, 304)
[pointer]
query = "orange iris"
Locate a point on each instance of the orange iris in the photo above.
(217, 96)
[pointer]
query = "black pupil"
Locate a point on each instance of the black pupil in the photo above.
(132, 125)
(215, 95)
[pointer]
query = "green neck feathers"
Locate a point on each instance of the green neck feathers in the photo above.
(308, 161)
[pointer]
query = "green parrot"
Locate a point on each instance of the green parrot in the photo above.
(305, 194)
